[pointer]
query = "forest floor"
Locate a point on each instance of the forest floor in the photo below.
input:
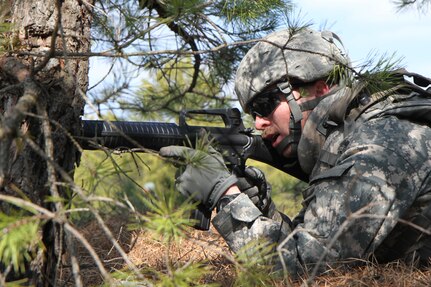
(146, 252)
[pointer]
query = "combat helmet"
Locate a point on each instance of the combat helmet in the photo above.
(294, 55)
(285, 57)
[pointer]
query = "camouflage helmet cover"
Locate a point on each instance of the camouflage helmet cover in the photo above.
(303, 55)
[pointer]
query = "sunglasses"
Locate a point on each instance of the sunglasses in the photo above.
(265, 104)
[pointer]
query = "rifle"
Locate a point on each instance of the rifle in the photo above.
(233, 140)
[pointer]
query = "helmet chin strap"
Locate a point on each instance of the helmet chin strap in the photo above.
(292, 139)
(295, 129)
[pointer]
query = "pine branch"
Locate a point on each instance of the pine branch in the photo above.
(181, 32)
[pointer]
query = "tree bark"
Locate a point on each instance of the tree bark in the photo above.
(40, 27)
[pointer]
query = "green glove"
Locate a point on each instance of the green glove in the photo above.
(202, 175)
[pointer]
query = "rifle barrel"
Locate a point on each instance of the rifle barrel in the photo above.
(124, 134)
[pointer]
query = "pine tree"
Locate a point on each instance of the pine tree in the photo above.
(41, 104)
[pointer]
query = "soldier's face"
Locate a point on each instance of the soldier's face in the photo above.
(276, 126)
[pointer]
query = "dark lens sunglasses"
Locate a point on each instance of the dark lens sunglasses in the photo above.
(264, 104)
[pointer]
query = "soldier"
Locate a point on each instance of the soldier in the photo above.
(365, 153)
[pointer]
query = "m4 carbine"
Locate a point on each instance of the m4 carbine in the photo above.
(233, 141)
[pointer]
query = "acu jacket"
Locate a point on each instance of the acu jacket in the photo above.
(368, 156)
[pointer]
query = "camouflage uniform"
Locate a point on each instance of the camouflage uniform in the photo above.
(369, 168)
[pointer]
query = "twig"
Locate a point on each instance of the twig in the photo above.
(114, 54)
(74, 260)
(60, 126)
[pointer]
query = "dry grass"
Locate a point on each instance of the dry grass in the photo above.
(389, 275)
(199, 246)
(148, 252)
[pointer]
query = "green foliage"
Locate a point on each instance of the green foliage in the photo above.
(183, 8)
(4, 28)
(18, 283)
(190, 45)
(186, 275)
(153, 205)
(339, 74)
(379, 75)
(168, 215)
(8, 40)
(249, 13)
(119, 178)
(165, 92)
(19, 235)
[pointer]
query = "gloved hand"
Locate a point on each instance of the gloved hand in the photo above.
(202, 175)
(254, 184)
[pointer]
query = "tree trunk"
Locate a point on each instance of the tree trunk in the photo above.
(58, 85)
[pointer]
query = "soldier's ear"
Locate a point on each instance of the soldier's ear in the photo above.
(321, 88)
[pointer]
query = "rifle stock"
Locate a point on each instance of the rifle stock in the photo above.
(235, 143)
